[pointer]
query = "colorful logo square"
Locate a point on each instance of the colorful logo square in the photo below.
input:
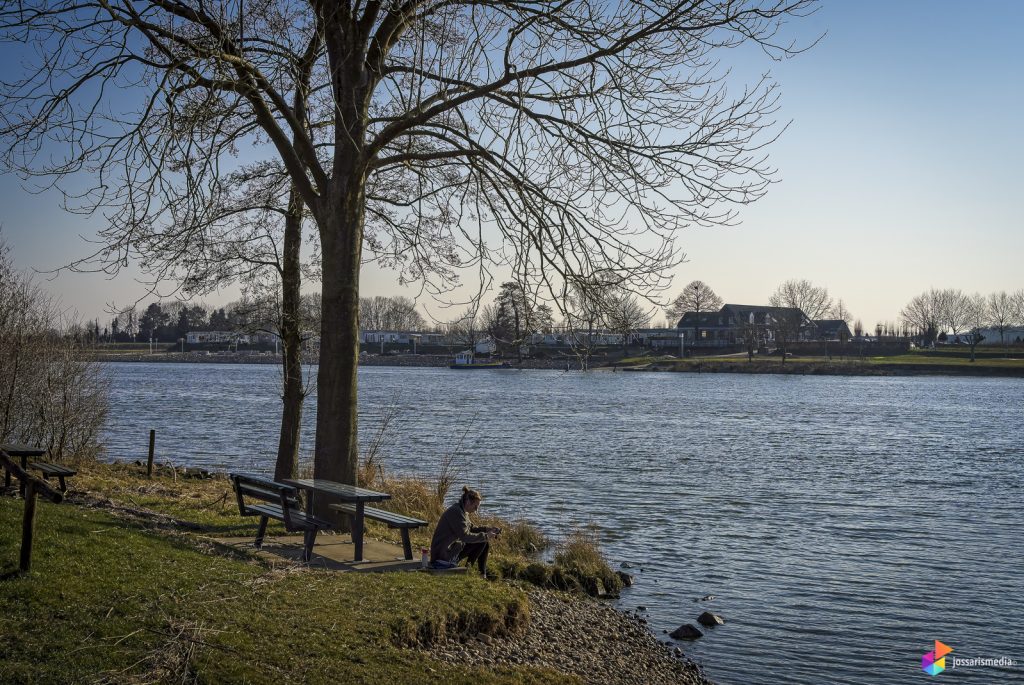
(934, 662)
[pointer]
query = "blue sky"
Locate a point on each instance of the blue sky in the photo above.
(899, 171)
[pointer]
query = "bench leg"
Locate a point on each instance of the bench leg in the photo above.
(357, 531)
(307, 552)
(261, 532)
(63, 487)
(406, 543)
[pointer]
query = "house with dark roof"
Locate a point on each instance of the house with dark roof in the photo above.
(734, 322)
(832, 329)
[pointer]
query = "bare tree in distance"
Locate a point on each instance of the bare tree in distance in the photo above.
(751, 334)
(586, 308)
(625, 315)
(697, 297)
(1017, 300)
(954, 309)
(840, 312)
(428, 125)
(976, 317)
(785, 325)
(468, 329)
(395, 313)
(1001, 313)
(923, 314)
(812, 300)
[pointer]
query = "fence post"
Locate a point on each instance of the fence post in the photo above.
(149, 461)
(27, 525)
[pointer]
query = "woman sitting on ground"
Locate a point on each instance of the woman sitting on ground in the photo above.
(456, 538)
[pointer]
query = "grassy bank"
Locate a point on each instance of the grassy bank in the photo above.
(110, 600)
(913, 363)
(127, 587)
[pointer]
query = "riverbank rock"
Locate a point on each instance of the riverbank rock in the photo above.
(710, 620)
(687, 631)
(626, 579)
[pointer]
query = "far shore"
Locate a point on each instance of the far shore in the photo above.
(816, 366)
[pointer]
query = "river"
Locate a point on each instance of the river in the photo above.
(842, 524)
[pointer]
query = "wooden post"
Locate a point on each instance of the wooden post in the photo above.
(27, 525)
(149, 461)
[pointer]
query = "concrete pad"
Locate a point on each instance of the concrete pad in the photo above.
(334, 552)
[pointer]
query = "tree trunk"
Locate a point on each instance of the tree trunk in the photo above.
(291, 344)
(341, 230)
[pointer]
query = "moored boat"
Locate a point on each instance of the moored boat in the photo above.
(465, 360)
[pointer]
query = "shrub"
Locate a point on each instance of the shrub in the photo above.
(51, 393)
(580, 557)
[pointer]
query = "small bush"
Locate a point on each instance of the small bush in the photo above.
(521, 537)
(580, 556)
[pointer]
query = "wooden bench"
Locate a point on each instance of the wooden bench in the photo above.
(279, 502)
(405, 523)
(48, 470)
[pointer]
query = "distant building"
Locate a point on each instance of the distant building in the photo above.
(1011, 336)
(729, 325)
(657, 338)
(832, 329)
(210, 337)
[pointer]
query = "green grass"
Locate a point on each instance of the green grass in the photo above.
(109, 600)
(957, 358)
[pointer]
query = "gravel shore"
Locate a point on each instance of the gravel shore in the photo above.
(580, 636)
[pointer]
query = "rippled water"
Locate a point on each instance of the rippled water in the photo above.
(842, 524)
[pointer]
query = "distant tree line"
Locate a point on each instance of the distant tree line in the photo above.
(937, 315)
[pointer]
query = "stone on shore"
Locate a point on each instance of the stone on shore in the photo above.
(626, 579)
(687, 631)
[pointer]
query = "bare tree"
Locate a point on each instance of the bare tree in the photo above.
(785, 324)
(955, 311)
(923, 314)
(696, 297)
(426, 122)
(52, 394)
(840, 312)
(625, 314)
(468, 329)
(751, 333)
(394, 313)
(976, 317)
(586, 307)
(1017, 298)
(812, 300)
(1002, 313)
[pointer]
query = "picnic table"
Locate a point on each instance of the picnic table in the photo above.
(24, 452)
(345, 493)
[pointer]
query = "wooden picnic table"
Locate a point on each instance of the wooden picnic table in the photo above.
(345, 493)
(24, 452)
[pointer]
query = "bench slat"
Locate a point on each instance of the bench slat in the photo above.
(52, 469)
(297, 517)
(389, 517)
